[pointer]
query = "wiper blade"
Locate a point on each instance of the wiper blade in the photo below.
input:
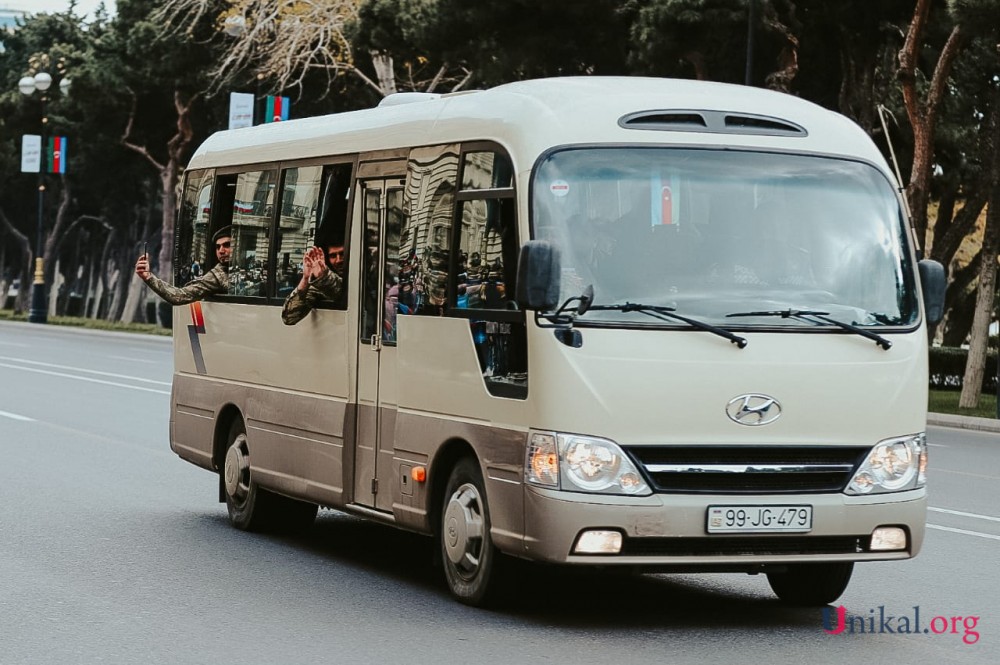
(668, 313)
(783, 313)
(822, 316)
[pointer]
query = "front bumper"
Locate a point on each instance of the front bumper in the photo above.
(669, 530)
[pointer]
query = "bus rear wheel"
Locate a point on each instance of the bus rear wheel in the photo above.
(467, 551)
(811, 584)
(250, 507)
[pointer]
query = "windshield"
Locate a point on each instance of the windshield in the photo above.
(716, 233)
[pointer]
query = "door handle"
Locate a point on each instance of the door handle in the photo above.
(376, 343)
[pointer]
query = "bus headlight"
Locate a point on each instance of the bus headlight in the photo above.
(893, 465)
(581, 464)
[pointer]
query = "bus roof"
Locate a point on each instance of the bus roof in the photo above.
(529, 117)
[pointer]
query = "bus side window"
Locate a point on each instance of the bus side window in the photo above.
(253, 209)
(485, 272)
(424, 241)
(487, 254)
(331, 219)
(192, 230)
(296, 224)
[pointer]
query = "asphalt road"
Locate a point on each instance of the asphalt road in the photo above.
(113, 550)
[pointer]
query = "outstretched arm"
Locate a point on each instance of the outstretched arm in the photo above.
(212, 283)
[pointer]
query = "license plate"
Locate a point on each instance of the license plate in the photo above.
(759, 519)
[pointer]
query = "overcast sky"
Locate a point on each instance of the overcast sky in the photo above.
(83, 7)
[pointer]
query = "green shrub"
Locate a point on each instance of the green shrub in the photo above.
(947, 368)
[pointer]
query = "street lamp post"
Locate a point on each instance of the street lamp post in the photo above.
(40, 82)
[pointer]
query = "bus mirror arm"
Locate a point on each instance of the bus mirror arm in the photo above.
(538, 273)
(933, 284)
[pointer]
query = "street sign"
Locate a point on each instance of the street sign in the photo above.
(240, 110)
(31, 153)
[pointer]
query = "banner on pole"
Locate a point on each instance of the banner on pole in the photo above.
(277, 109)
(31, 153)
(56, 154)
(240, 110)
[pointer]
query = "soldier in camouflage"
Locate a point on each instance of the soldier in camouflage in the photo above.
(213, 282)
(322, 279)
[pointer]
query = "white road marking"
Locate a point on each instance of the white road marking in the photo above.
(14, 416)
(134, 360)
(966, 532)
(938, 445)
(12, 344)
(966, 473)
(86, 371)
(85, 378)
(961, 514)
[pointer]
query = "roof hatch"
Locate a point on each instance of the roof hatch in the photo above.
(713, 122)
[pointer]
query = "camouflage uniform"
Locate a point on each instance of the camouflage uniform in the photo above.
(299, 303)
(214, 282)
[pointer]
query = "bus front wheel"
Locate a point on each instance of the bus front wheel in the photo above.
(811, 584)
(252, 508)
(467, 551)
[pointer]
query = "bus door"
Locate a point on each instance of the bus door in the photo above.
(382, 211)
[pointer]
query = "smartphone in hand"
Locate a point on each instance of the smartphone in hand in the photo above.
(144, 250)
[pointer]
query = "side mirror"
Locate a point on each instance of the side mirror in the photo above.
(933, 285)
(538, 273)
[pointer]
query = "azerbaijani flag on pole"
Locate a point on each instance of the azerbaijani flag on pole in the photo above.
(56, 155)
(277, 109)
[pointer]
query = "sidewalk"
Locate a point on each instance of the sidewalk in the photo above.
(963, 422)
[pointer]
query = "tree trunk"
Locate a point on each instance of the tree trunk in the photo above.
(384, 72)
(21, 240)
(923, 113)
(55, 284)
(54, 237)
(788, 57)
(134, 309)
(975, 365)
(119, 291)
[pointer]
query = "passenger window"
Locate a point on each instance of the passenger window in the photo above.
(487, 254)
(253, 210)
(486, 170)
(314, 203)
(425, 239)
(331, 218)
(485, 272)
(192, 232)
(296, 224)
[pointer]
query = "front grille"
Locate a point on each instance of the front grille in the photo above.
(745, 545)
(748, 469)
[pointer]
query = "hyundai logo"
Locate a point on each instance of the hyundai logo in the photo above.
(753, 409)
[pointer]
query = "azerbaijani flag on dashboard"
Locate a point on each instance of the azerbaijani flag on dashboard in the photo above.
(56, 155)
(277, 109)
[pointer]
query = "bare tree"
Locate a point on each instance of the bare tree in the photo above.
(283, 41)
(169, 171)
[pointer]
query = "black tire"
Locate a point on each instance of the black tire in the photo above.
(811, 584)
(468, 556)
(252, 508)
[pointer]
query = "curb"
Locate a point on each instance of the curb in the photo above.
(963, 422)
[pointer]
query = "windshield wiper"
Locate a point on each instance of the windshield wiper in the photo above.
(822, 316)
(667, 313)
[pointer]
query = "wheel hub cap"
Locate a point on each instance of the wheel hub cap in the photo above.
(463, 528)
(236, 465)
